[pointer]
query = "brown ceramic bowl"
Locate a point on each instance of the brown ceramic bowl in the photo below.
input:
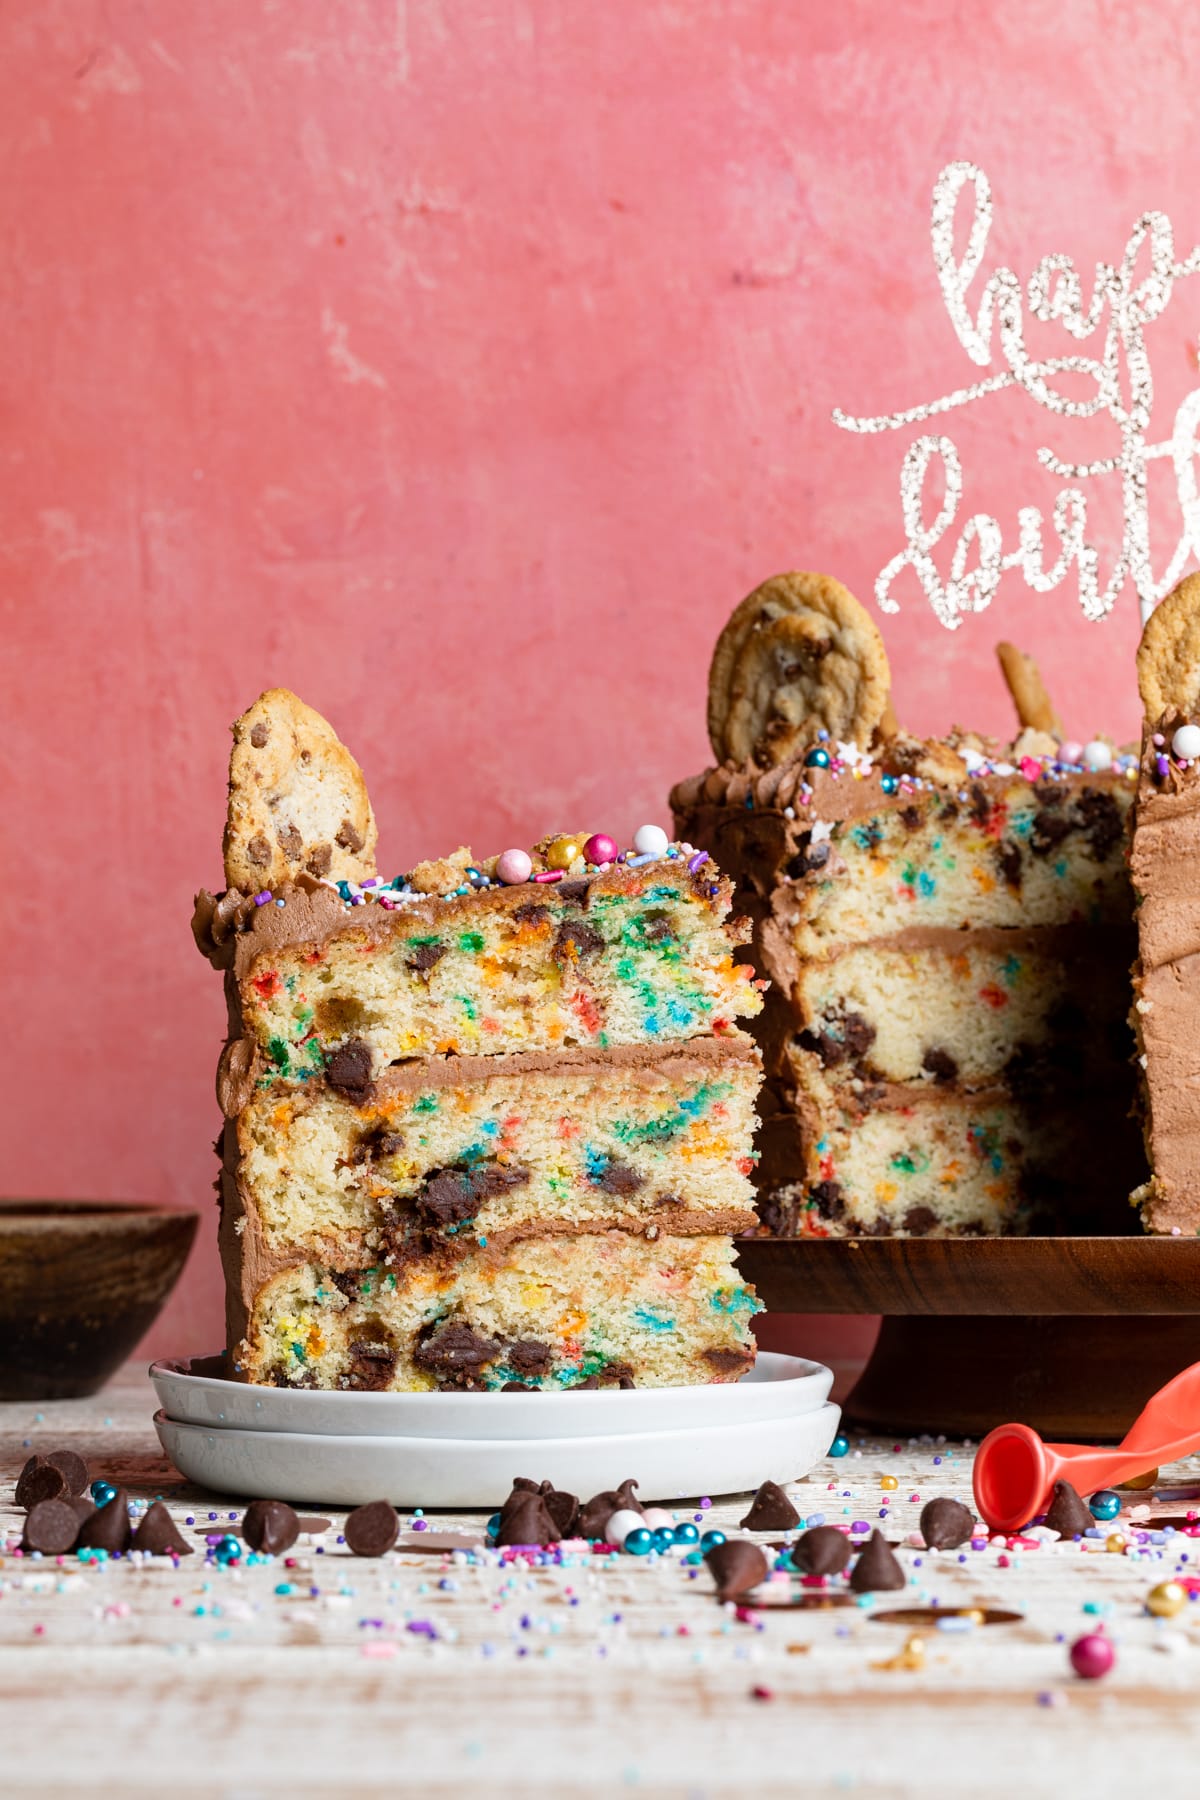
(80, 1281)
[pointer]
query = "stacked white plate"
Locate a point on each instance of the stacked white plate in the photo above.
(463, 1449)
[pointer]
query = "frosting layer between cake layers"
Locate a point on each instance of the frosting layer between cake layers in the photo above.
(947, 937)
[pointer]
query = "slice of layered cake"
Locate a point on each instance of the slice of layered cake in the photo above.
(1164, 861)
(487, 1124)
(946, 926)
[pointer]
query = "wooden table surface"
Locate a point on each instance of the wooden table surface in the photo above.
(608, 1674)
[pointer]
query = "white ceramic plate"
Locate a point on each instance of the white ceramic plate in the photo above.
(447, 1472)
(194, 1391)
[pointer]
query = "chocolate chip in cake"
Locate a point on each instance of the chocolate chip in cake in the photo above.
(1049, 830)
(573, 893)
(158, 1535)
(259, 851)
(270, 1526)
(946, 1524)
(446, 1197)
(426, 956)
(531, 913)
(577, 937)
(348, 838)
(528, 1357)
(1100, 818)
(371, 1530)
(827, 1199)
(727, 1361)
(1009, 858)
(910, 817)
(617, 1177)
(320, 861)
(108, 1528)
(771, 1510)
(807, 861)
(981, 807)
(348, 1070)
(919, 1221)
(291, 843)
(940, 1064)
(39, 1480)
(51, 1527)
(259, 734)
(370, 1368)
(455, 1346)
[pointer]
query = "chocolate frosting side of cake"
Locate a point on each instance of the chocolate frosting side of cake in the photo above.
(1164, 858)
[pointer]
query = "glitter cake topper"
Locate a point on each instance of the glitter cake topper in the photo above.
(1121, 305)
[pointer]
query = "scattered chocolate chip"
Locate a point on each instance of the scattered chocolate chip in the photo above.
(526, 1519)
(270, 1526)
(348, 838)
(516, 1387)
(595, 1513)
(617, 1177)
(319, 861)
(737, 1566)
(108, 1528)
(258, 851)
(945, 1524)
(371, 1530)
(771, 1510)
(259, 734)
(158, 1535)
(290, 842)
(919, 1221)
(1009, 858)
(529, 1357)
(448, 1196)
(51, 1527)
(83, 1507)
(39, 1480)
(349, 1069)
(876, 1569)
(563, 1509)
(822, 1551)
(939, 1063)
(1068, 1515)
(455, 1346)
(72, 1467)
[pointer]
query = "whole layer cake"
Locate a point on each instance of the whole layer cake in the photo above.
(488, 1123)
(947, 929)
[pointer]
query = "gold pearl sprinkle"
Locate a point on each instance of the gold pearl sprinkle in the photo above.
(1165, 1600)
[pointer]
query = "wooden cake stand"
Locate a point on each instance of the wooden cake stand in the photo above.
(1069, 1335)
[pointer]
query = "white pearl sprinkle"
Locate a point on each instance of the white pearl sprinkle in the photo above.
(1186, 742)
(1097, 755)
(650, 840)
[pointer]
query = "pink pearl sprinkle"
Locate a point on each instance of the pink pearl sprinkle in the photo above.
(514, 867)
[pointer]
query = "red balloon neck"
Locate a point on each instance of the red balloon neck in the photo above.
(1011, 1477)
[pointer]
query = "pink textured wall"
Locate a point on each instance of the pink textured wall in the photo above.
(460, 366)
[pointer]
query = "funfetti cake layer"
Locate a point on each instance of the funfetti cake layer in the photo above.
(557, 1312)
(472, 1150)
(946, 932)
(356, 979)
